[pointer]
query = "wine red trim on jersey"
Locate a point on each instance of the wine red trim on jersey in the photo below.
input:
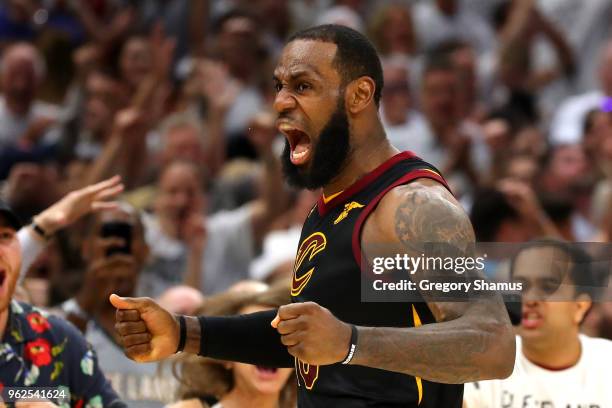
(360, 184)
(411, 176)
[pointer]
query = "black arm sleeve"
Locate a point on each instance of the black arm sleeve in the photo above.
(245, 338)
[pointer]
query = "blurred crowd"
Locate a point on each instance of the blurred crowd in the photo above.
(510, 99)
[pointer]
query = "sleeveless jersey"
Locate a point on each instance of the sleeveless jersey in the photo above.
(327, 271)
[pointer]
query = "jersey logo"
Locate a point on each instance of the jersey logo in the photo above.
(309, 247)
(308, 374)
(347, 208)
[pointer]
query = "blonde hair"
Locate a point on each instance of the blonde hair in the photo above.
(205, 377)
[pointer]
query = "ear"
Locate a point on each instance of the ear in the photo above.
(360, 94)
(583, 304)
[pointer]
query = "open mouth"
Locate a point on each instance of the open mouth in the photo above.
(299, 143)
(266, 372)
(531, 320)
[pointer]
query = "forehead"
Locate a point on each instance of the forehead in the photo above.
(307, 57)
(4, 222)
(542, 262)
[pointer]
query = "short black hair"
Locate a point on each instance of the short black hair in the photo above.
(355, 57)
(436, 62)
(580, 272)
(489, 210)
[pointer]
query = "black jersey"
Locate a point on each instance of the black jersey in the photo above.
(327, 271)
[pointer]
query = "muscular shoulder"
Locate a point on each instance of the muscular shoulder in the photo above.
(424, 211)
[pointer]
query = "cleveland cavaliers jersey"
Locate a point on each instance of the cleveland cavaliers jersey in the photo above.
(327, 271)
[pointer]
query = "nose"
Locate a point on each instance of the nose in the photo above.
(284, 101)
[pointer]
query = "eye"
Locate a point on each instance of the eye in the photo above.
(303, 86)
(278, 86)
(550, 287)
(7, 235)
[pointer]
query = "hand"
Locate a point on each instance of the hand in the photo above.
(219, 88)
(459, 146)
(262, 133)
(522, 198)
(312, 333)
(128, 122)
(163, 51)
(79, 203)
(99, 280)
(148, 332)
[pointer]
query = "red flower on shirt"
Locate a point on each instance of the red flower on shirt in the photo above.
(38, 323)
(79, 404)
(38, 352)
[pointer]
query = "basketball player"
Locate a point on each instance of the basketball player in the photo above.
(328, 87)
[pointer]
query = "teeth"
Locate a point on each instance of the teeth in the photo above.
(300, 155)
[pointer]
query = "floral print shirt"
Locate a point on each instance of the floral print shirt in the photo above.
(40, 350)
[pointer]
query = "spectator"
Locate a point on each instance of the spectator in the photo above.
(441, 136)
(555, 365)
(237, 384)
(42, 350)
(239, 47)
(114, 253)
(392, 31)
(104, 98)
(135, 61)
(397, 113)
(24, 119)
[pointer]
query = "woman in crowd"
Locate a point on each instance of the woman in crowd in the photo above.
(216, 384)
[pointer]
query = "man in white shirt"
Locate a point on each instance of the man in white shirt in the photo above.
(555, 367)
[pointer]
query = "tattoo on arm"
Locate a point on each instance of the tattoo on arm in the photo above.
(471, 340)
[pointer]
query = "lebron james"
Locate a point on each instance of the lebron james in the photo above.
(347, 353)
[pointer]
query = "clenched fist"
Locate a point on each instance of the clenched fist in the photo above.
(312, 333)
(148, 332)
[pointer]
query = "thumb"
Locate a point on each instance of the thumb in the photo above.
(127, 302)
(276, 321)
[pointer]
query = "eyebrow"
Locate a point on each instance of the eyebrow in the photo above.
(309, 70)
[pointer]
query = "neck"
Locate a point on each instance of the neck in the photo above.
(3, 321)
(168, 227)
(239, 397)
(563, 352)
(374, 150)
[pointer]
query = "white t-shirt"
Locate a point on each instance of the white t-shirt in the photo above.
(138, 384)
(228, 252)
(567, 125)
(585, 385)
(14, 126)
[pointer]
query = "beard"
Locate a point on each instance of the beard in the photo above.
(329, 157)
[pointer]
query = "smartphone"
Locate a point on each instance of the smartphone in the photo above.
(118, 229)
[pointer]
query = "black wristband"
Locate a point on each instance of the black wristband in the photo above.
(38, 229)
(182, 333)
(352, 345)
